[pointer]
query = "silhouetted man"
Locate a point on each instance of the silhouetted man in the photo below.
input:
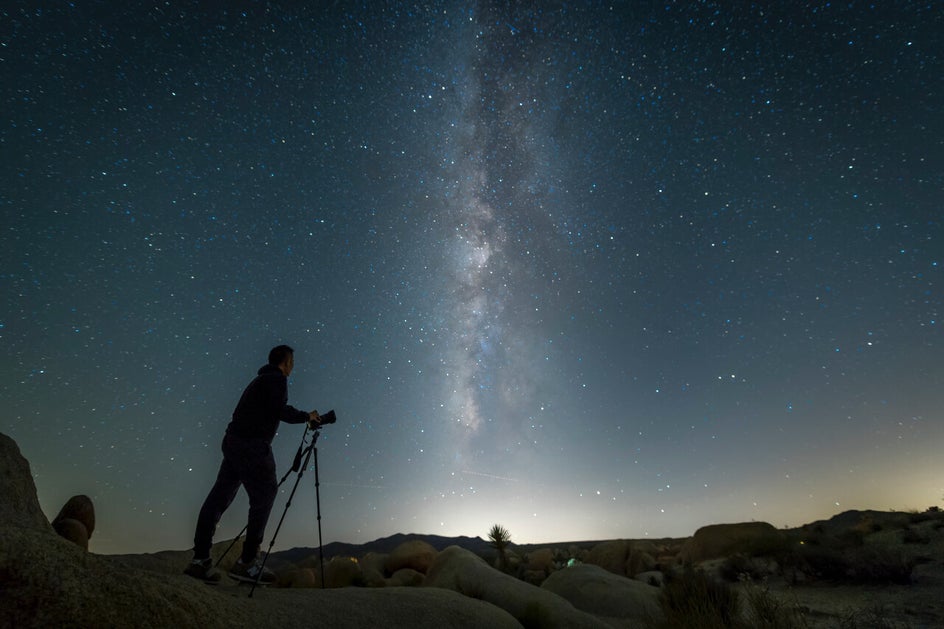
(248, 461)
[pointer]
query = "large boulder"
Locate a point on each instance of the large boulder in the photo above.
(72, 530)
(298, 578)
(19, 506)
(406, 577)
(81, 509)
(372, 569)
(414, 554)
(621, 557)
(76, 520)
(600, 592)
(464, 572)
(722, 540)
(342, 572)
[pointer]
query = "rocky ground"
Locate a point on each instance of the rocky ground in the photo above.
(857, 570)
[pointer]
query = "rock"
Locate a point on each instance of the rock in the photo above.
(466, 573)
(374, 561)
(78, 508)
(406, 577)
(534, 577)
(620, 557)
(342, 572)
(372, 569)
(72, 530)
(598, 591)
(76, 520)
(722, 540)
(174, 561)
(19, 506)
(651, 577)
(298, 578)
(415, 554)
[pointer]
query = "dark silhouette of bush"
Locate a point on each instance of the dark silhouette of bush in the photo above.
(740, 566)
(822, 561)
(766, 611)
(882, 565)
(868, 565)
(913, 536)
(691, 599)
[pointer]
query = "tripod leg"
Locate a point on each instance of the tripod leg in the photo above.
(318, 506)
(301, 472)
(230, 547)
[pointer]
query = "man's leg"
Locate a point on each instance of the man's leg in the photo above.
(217, 501)
(259, 481)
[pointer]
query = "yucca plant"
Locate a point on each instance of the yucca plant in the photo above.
(500, 538)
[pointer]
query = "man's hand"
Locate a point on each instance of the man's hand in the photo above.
(314, 420)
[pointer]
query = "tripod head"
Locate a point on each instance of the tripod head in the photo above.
(315, 427)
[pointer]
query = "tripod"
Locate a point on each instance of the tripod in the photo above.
(298, 466)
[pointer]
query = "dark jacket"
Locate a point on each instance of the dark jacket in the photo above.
(263, 404)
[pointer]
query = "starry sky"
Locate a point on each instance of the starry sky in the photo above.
(586, 270)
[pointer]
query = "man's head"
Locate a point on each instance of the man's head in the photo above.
(282, 357)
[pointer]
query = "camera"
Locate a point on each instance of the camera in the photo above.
(328, 418)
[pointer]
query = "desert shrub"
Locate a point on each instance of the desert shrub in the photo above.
(852, 537)
(792, 563)
(815, 555)
(914, 536)
(765, 611)
(823, 562)
(882, 565)
(738, 566)
(871, 618)
(918, 518)
(868, 565)
(768, 545)
(692, 600)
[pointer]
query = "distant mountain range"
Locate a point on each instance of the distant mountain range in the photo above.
(476, 545)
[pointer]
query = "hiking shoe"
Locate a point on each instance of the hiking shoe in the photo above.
(251, 573)
(203, 569)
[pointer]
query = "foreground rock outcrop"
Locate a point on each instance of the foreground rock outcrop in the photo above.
(19, 506)
(626, 602)
(464, 572)
(47, 581)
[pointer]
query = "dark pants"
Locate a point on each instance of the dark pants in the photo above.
(246, 462)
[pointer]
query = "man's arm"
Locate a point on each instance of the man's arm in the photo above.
(291, 415)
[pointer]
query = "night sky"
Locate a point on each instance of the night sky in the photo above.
(585, 270)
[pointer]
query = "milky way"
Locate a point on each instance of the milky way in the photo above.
(583, 270)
